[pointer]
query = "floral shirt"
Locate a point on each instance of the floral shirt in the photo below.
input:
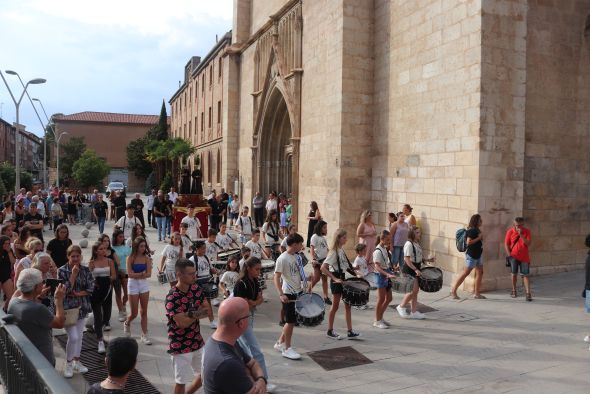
(84, 281)
(184, 340)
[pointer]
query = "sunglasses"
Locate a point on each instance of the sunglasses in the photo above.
(242, 318)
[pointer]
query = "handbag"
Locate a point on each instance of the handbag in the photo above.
(72, 316)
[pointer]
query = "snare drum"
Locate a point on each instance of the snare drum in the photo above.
(219, 266)
(210, 290)
(309, 308)
(228, 253)
(166, 277)
(355, 291)
(402, 284)
(267, 265)
(430, 279)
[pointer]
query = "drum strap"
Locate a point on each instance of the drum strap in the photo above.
(301, 271)
(350, 268)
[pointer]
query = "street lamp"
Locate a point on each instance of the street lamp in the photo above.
(17, 133)
(57, 152)
(44, 140)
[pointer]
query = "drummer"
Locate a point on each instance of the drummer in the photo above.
(383, 274)
(292, 229)
(244, 226)
(193, 223)
(335, 266)
(271, 233)
(223, 239)
(413, 259)
(245, 252)
(290, 281)
(318, 248)
(187, 242)
(256, 249)
(211, 246)
(205, 273)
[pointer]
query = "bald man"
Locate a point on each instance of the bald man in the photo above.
(224, 357)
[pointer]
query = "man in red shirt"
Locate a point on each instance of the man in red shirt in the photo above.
(516, 243)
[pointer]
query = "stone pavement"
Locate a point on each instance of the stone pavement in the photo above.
(493, 345)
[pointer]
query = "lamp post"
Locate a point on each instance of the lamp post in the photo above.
(17, 133)
(57, 153)
(44, 141)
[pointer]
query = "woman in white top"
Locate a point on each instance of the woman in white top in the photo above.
(335, 265)
(170, 255)
(271, 234)
(410, 218)
(318, 248)
(383, 274)
(413, 261)
(244, 225)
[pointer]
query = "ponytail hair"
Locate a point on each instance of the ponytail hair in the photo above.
(251, 262)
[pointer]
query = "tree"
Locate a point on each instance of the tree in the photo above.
(167, 153)
(70, 151)
(167, 183)
(160, 132)
(89, 170)
(26, 180)
(8, 175)
(136, 158)
(3, 190)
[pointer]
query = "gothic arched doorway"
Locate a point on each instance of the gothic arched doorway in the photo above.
(275, 148)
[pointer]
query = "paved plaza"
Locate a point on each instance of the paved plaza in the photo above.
(493, 345)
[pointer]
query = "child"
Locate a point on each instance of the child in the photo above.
(230, 277)
(204, 274)
(361, 268)
(245, 251)
(283, 220)
(211, 246)
(223, 239)
(256, 249)
(292, 229)
(244, 226)
(170, 255)
(187, 242)
(289, 210)
(193, 223)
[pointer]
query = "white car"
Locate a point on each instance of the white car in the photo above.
(115, 186)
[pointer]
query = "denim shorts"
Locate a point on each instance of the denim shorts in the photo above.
(588, 301)
(471, 263)
(516, 265)
(382, 280)
(397, 256)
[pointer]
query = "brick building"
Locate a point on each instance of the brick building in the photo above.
(196, 111)
(108, 134)
(31, 149)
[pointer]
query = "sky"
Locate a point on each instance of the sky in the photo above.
(109, 55)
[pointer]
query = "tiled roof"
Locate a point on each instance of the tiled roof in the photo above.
(109, 117)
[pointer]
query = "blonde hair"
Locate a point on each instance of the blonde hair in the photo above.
(32, 243)
(336, 240)
(364, 215)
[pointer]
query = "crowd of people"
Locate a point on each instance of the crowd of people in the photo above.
(46, 285)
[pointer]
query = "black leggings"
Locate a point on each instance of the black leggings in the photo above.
(102, 303)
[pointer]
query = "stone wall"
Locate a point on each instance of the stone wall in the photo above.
(260, 11)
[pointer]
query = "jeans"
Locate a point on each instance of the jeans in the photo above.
(397, 257)
(161, 222)
(168, 224)
(101, 220)
(74, 344)
(249, 343)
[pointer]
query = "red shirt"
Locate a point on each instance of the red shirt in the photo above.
(519, 251)
(183, 340)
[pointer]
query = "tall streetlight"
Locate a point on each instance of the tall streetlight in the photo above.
(17, 134)
(44, 141)
(57, 152)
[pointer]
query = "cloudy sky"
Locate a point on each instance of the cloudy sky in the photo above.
(113, 56)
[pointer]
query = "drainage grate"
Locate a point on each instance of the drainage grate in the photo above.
(460, 317)
(421, 308)
(97, 370)
(340, 357)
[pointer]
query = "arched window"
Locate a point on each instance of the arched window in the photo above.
(218, 165)
(209, 168)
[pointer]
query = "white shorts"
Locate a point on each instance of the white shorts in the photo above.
(186, 366)
(137, 286)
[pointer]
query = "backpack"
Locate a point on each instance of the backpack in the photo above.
(461, 240)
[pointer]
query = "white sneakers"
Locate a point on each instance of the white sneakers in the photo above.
(101, 348)
(79, 367)
(380, 324)
(213, 324)
(215, 302)
(291, 354)
(417, 316)
(270, 387)
(69, 370)
(587, 339)
(279, 347)
(403, 312)
(126, 329)
(122, 316)
(145, 340)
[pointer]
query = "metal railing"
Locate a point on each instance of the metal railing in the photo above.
(23, 369)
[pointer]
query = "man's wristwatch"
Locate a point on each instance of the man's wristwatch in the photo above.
(263, 378)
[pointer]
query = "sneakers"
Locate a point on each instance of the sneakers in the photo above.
(213, 325)
(69, 370)
(417, 316)
(353, 335)
(122, 316)
(291, 354)
(106, 327)
(126, 329)
(279, 347)
(333, 335)
(145, 340)
(380, 324)
(270, 387)
(402, 311)
(388, 324)
(361, 308)
(327, 301)
(79, 367)
(101, 348)
(587, 339)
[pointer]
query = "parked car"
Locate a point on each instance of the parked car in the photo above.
(114, 187)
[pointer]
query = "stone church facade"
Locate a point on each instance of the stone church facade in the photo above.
(455, 107)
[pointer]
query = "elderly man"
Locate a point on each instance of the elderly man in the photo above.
(138, 206)
(224, 357)
(32, 317)
(119, 202)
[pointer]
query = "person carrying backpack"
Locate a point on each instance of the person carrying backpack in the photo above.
(473, 248)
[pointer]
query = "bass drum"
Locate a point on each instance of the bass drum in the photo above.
(430, 279)
(310, 309)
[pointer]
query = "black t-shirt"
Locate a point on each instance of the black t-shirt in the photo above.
(96, 389)
(221, 360)
(101, 209)
(57, 249)
(474, 250)
(162, 207)
(35, 219)
(247, 288)
(137, 204)
(119, 202)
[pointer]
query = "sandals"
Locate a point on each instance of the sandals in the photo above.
(529, 297)
(480, 297)
(513, 294)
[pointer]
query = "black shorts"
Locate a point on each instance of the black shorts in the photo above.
(336, 288)
(408, 271)
(289, 309)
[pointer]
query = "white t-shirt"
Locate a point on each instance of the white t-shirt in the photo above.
(229, 279)
(271, 205)
(193, 225)
(186, 243)
(212, 250)
(333, 259)
(173, 196)
(126, 224)
(223, 240)
(41, 208)
(242, 262)
(150, 202)
(409, 252)
(320, 246)
(255, 249)
(235, 206)
(291, 277)
(284, 243)
(361, 263)
(245, 225)
(202, 265)
(271, 230)
(171, 254)
(380, 257)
